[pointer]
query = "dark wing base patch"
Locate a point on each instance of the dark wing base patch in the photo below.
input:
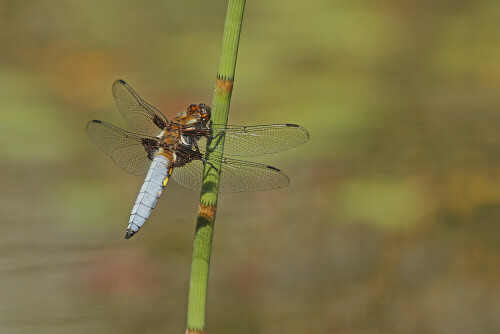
(131, 151)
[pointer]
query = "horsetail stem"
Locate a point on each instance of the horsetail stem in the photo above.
(210, 187)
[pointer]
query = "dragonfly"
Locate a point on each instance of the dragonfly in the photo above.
(178, 149)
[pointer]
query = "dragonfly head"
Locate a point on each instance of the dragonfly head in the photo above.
(205, 112)
(201, 111)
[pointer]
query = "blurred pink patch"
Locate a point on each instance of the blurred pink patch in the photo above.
(121, 274)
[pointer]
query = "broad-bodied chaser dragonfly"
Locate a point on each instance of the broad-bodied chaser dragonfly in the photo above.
(178, 148)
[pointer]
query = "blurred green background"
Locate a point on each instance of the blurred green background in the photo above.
(391, 221)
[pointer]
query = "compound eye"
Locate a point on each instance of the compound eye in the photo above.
(206, 113)
(192, 108)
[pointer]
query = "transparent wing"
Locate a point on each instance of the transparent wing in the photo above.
(131, 151)
(254, 140)
(138, 114)
(236, 175)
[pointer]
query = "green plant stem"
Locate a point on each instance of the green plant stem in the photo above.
(210, 188)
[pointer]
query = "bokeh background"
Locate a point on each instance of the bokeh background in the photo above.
(390, 224)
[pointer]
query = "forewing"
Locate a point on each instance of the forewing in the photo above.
(138, 114)
(131, 151)
(254, 140)
(236, 175)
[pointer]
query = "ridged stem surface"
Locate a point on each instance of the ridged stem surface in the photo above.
(209, 194)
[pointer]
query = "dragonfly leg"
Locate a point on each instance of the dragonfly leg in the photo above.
(221, 133)
(206, 161)
(218, 136)
(195, 144)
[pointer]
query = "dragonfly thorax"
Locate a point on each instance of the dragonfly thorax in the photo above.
(171, 137)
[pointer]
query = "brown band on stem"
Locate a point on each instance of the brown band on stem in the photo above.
(224, 85)
(191, 331)
(207, 211)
